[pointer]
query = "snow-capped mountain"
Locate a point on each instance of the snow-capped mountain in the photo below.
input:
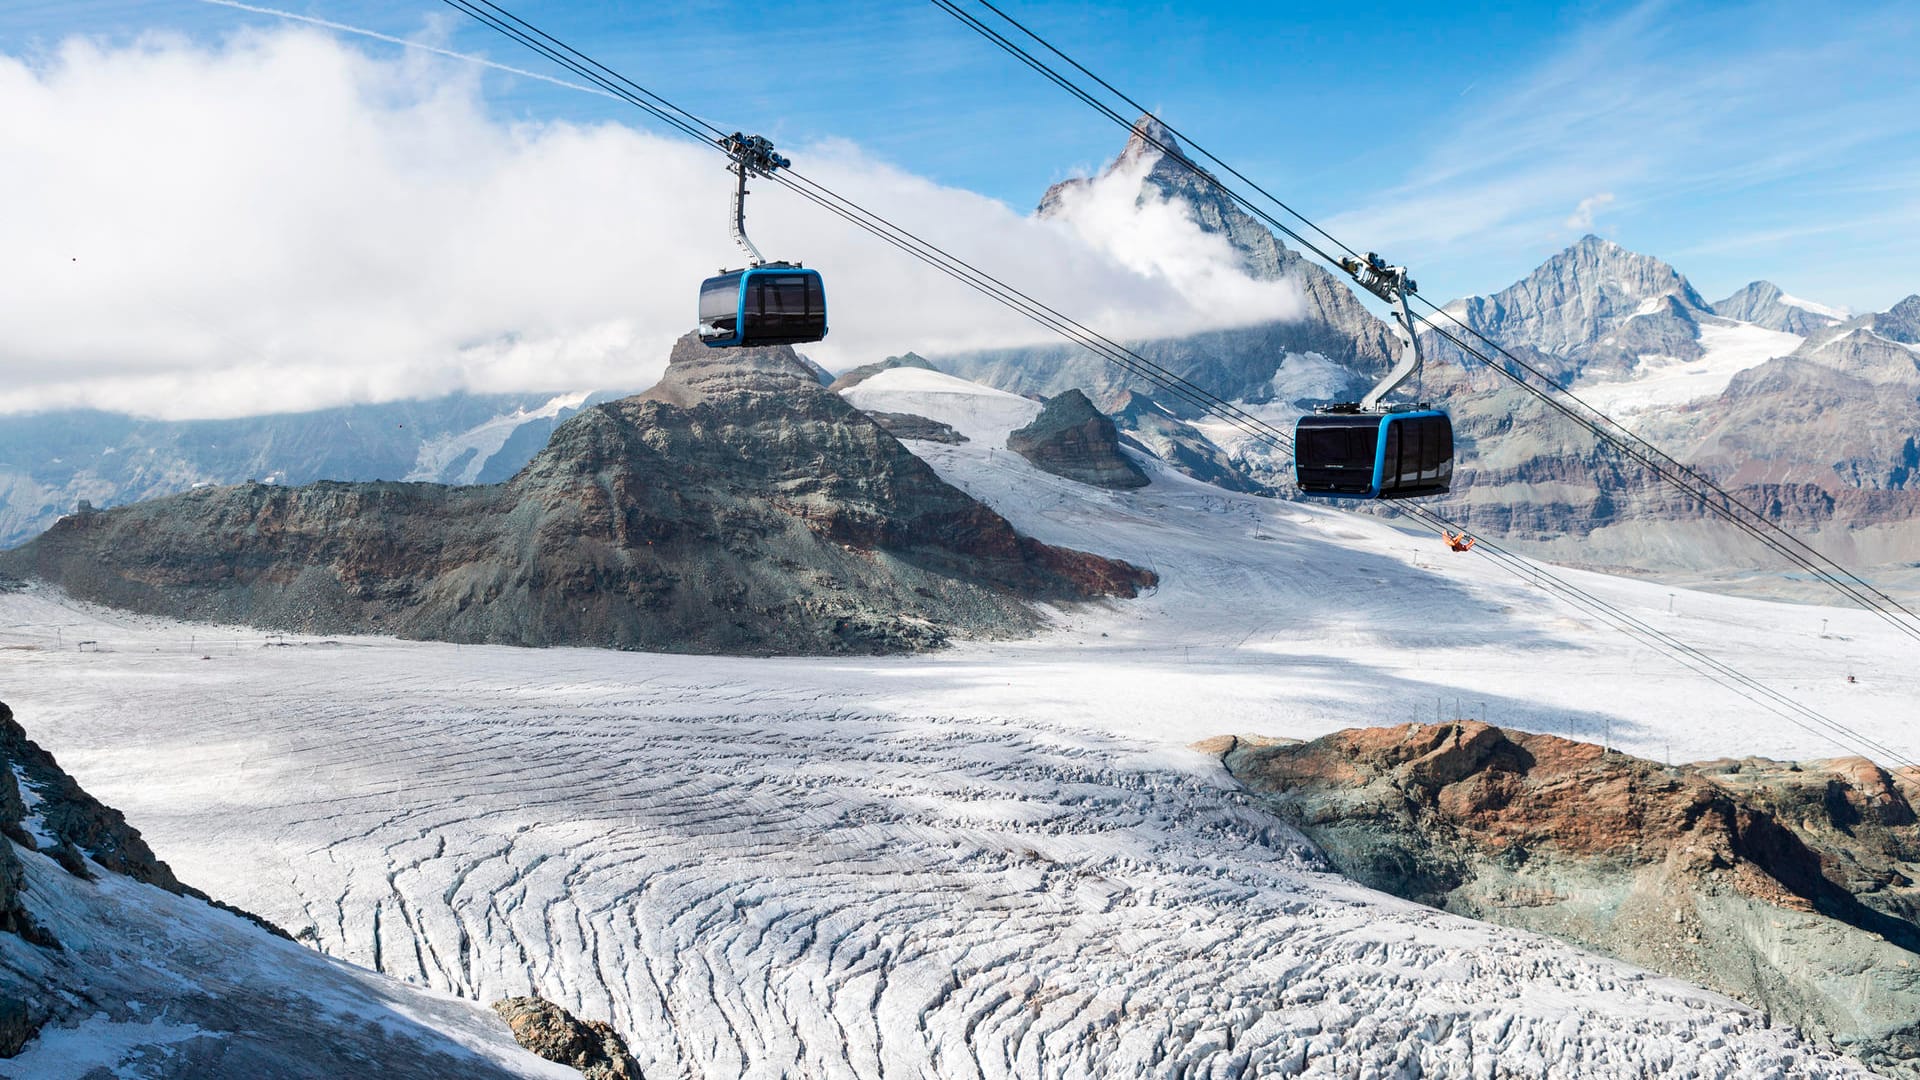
(1594, 307)
(1883, 347)
(1244, 363)
(1763, 304)
(997, 862)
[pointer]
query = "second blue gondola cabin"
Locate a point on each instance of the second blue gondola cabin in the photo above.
(1374, 455)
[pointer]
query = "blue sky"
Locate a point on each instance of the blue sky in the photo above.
(414, 213)
(1736, 140)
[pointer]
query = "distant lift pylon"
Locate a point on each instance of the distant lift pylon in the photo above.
(1371, 450)
(763, 303)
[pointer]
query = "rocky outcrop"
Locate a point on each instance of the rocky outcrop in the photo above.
(737, 507)
(1786, 885)
(909, 426)
(1155, 428)
(591, 1046)
(1073, 439)
(867, 371)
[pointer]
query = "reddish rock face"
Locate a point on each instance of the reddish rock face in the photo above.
(738, 507)
(1786, 884)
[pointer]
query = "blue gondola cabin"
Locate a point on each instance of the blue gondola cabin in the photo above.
(775, 304)
(1374, 455)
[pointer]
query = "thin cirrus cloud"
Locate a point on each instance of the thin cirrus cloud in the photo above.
(282, 221)
(1682, 127)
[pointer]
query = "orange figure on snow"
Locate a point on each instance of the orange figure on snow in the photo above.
(1461, 542)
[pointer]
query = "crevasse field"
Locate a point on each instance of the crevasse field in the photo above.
(1001, 860)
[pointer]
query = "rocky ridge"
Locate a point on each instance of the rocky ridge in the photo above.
(1155, 429)
(1073, 439)
(1788, 885)
(1594, 308)
(864, 372)
(738, 506)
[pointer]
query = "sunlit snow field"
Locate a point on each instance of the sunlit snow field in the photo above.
(997, 860)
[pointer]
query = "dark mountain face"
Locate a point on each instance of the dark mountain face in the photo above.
(737, 507)
(1073, 439)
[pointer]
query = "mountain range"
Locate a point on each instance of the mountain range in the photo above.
(1802, 408)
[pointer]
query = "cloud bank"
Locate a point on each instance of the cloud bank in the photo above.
(282, 221)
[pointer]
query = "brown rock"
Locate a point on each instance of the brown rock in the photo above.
(1783, 884)
(591, 1046)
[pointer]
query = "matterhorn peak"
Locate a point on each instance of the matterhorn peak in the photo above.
(1147, 131)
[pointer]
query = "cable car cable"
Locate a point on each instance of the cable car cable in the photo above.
(1682, 652)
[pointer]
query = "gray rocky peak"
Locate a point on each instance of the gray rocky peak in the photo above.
(1333, 322)
(1073, 439)
(1580, 296)
(1149, 138)
(695, 372)
(738, 507)
(1764, 304)
(1594, 306)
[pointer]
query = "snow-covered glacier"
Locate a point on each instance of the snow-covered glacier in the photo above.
(999, 860)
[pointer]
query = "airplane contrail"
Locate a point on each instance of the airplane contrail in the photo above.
(378, 36)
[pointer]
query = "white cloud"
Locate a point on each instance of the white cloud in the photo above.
(285, 222)
(1582, 216)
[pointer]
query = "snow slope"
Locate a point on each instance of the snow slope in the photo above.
(995, 861)
(171, 986)
(458, 457)
(1660, 382)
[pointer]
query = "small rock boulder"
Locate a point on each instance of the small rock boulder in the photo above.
(591, 1046)
(1073, 439)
